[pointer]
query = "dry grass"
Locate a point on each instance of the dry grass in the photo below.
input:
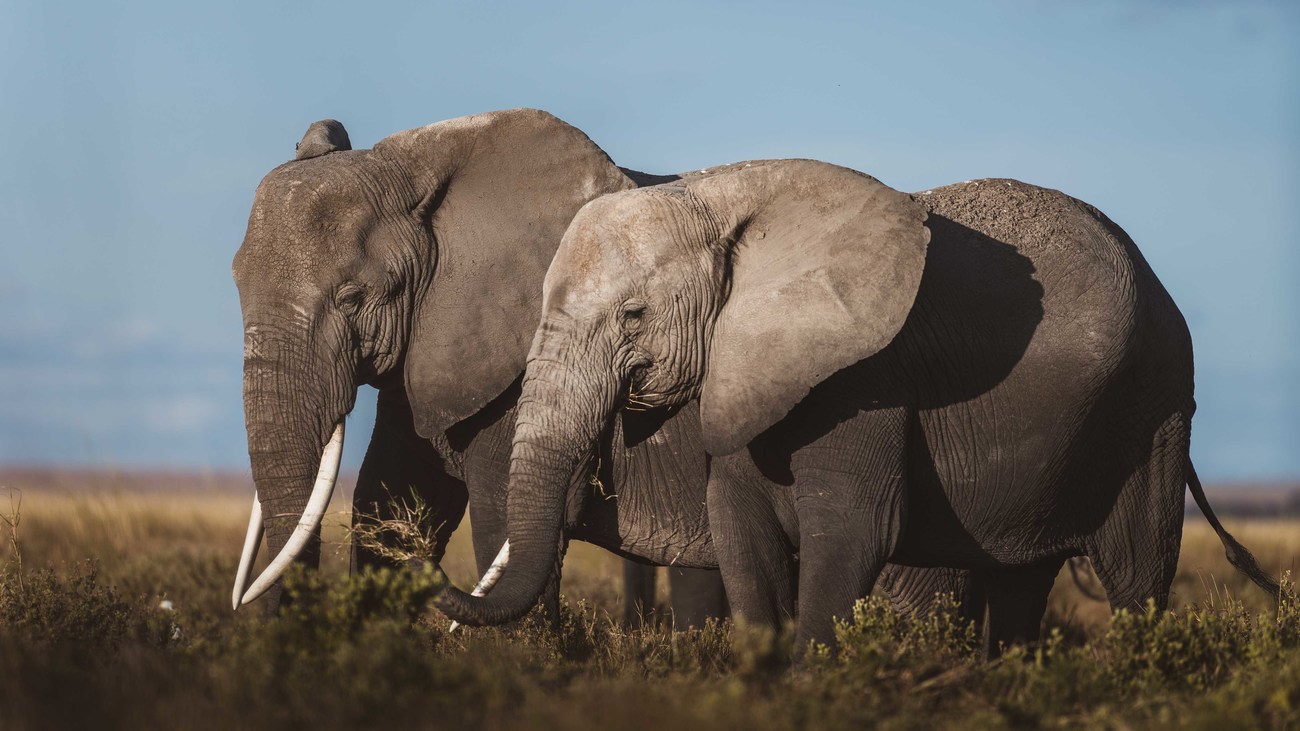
(1204, 574)
(120, 529)
(123, 530)
(350, 657)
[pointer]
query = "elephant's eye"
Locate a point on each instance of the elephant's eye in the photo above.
(632, 314)
(349, 297)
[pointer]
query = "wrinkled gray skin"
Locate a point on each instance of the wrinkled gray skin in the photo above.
(416, 267)
(986, 376)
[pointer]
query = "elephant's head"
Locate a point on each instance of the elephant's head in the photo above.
(743, 287)
(413, 265)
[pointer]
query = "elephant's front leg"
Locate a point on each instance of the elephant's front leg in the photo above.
(696, 595)
(401, 470)
(750, 519)
(639, 588)
(849, 494)
(841, 554)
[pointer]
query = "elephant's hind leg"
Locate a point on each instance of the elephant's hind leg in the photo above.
(697, 596)
(638, 594)
(914, 590)
(1135, 553)
(1017, 601)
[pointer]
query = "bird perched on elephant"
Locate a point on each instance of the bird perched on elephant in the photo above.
(986, 376)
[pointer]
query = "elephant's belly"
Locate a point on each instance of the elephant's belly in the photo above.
(996, 483)
(649, 502)
(674, 544)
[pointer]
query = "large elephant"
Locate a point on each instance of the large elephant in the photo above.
(416, 267)
(985, 376)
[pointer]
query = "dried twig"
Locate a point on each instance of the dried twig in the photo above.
(406, 536)
(13, 519)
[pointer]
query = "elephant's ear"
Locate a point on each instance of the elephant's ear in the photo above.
(825, 263)
(499, 190)
(323, 137)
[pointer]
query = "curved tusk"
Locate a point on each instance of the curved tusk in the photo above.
(490, 577)
(310, 521)
(251, 543)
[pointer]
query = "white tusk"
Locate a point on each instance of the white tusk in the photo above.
(490, 577)
(251, 543)
(310, 521)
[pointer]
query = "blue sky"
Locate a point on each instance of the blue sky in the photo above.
(134, 135)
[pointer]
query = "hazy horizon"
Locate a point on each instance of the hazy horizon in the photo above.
(137, 135)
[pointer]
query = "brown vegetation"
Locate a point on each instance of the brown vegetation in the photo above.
(92, 644)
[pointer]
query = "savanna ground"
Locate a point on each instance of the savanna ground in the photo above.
(118, 616)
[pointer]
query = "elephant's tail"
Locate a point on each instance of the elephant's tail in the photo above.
(1238, 556)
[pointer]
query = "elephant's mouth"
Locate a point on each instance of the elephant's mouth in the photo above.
(652, 386)
(643, 392)
(308, 525)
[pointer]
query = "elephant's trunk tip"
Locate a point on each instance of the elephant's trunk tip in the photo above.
(475, 609)
(490, 578)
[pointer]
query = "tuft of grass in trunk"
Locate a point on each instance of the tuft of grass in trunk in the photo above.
(408, 536)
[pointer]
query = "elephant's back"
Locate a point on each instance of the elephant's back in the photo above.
(1085, 275)
(1097, 289)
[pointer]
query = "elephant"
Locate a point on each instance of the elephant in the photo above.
(986, 376)
(416, 267)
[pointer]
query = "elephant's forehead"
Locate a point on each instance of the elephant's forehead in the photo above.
(331, 184)
(298, 236)
(289, 193)
(614, 247)
(586, 274)
(309, 199)
(640, 228)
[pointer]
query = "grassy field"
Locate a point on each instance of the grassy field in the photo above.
(85, 642)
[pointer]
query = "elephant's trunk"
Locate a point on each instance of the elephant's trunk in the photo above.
(295, 435)
(560, 418)
(305, 534)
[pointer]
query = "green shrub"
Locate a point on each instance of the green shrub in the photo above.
(45, 608)
(878, 633)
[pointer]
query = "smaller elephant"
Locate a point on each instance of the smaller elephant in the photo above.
(986, 376)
